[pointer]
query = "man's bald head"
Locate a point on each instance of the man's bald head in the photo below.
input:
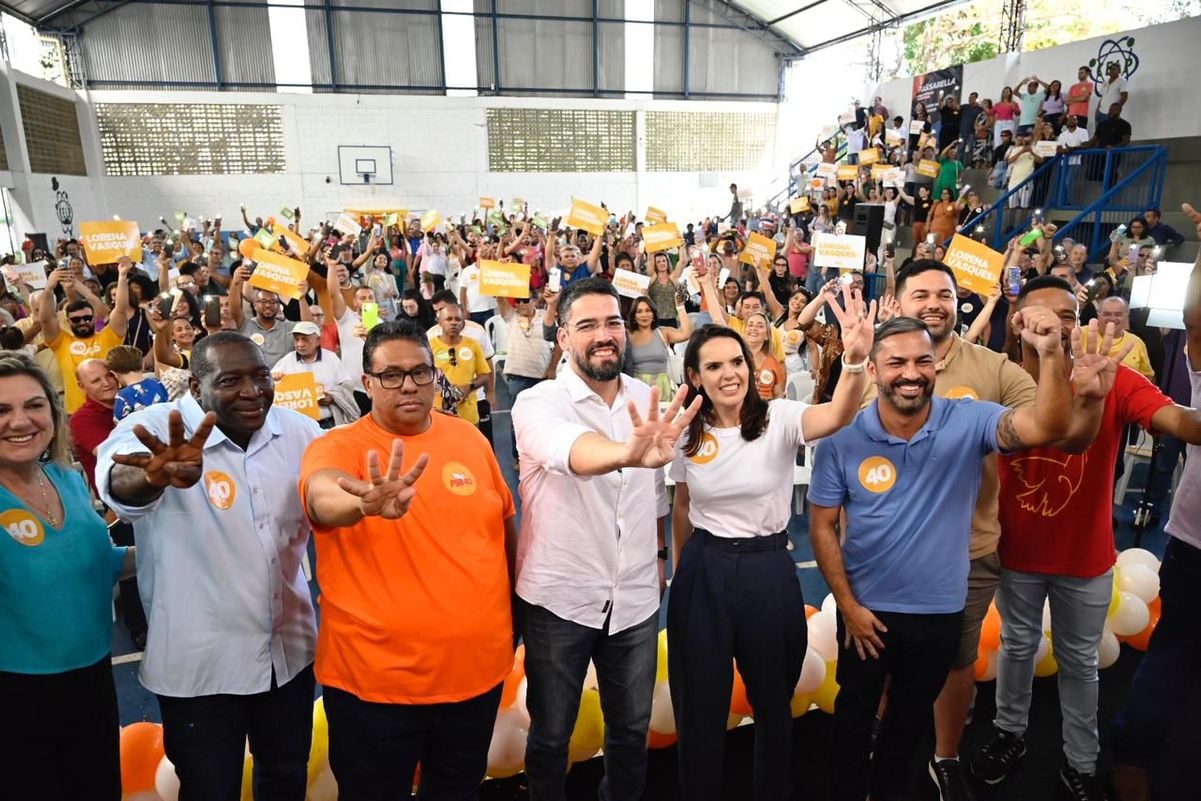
(97, 381)
(1114, 310)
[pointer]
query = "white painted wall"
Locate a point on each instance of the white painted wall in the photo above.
(1164, 99)
(440, 160)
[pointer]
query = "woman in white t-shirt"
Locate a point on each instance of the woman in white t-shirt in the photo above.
(734, 592)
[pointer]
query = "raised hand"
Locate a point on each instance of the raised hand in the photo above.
(889, 307)
(386, 495)
(1193, 215)
(1040, 328)
(178, 462)
(1093, 369)
(858, 324)
(652, 443)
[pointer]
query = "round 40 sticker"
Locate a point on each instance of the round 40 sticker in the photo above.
(708, 451)
(877, 474)
(221, 489)
(23, 527)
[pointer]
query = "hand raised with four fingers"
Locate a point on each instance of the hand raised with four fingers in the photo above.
(653, 440)
(858, 323)
(179, 462)
(387, 495)
(1093, 369)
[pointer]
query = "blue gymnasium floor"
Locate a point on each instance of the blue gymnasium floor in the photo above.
(1034, 780)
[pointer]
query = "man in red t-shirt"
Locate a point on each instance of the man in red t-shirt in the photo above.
(1057, 543)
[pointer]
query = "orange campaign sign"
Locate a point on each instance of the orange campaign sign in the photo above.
(298, 392)
(277, 273)
(106, 241)
(587, 216)
(798, 204)
(663, 236)
(654, 215)
(927, 168)
(977, 267)
(848, 172)
(297, 241)
(759, 250)
(487, 202)
(879, 170)
(503, 280)
(869, 156)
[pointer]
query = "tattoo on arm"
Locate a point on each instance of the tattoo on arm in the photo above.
(1008, 438)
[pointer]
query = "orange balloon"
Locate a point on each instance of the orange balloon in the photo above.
(141, 751)
(270, 222)
(656, 739)
(990, 629)
(248, 247)
(739, 705)
(1142, 640)
(810, 611)
(1155, 607)
(508, 691)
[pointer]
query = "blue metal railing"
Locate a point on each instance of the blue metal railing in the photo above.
(1106, 186)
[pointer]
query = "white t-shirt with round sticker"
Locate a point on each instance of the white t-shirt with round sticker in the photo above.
(743, 489)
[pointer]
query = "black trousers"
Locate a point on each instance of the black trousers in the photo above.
(734, 599)
(58, 739)
(205, 738)
(133, 615)
(374, 748)
(485, 424)
(918, 652)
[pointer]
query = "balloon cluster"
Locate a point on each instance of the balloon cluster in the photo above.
(147, 774)
(1132, 617)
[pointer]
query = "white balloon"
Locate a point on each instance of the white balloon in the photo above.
(507, 749)
(166, 782)
(1139, 579)
(1046, 615)
(1044, 647)
(823, 635)
(1138, 556)
(324, 787)
(519, 701)
(828, 604)
(1132, 615)
(144, 795)
(1108, 649)
(590, 681)
(813, 672)
(663, 716)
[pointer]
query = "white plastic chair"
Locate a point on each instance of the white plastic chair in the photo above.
(498, 332)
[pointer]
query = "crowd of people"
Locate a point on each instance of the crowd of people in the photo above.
(935, 414)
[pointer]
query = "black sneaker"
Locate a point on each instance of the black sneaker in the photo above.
(952, 783)
(995, 761)
(1081, 786)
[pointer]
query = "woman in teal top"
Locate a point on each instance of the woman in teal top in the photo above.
(57, 571)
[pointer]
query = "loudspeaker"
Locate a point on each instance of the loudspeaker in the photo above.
(868, 222)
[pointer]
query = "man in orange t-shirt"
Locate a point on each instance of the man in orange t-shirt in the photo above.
(415, 561)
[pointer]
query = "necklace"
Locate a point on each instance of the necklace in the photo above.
(45, 508)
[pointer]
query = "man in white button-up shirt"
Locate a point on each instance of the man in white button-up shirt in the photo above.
(588, 574)
(210, 481)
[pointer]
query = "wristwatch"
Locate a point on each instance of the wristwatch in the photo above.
(662, 554)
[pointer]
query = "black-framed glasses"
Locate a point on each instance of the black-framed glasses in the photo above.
(394, 377)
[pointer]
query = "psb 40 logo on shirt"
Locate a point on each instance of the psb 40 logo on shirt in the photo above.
(23, 527)
(877, 474)
(458, 479)
(221, 489)
(708, 450)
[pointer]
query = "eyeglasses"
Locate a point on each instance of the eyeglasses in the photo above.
(394, 377)
(89, 318)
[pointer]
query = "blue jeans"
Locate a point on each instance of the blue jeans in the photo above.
(1170, 667)
(1078, 609)
(556, 659)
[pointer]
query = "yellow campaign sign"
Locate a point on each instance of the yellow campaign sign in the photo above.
(927, 168)
(504, 280)
(869, 156)
(298, 392)
(518, 202)
(587, 216)
(759, 250)
(848, 172)
(108, 240)
(654, 215)
(278, 273)
(798, 204)
(430, 220)
(663, 236)
(487, 202)
(298, 242)
(977, 267)
(879, 170)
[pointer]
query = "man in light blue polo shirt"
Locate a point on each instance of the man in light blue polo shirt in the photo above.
(907, 471)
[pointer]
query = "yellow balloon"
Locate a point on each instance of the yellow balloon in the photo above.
(1116, 600)
(800, 704)
(248, 779)
(319, 750)
(588, 734)
(661, 663)
(1047, 666)
(828, 690)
